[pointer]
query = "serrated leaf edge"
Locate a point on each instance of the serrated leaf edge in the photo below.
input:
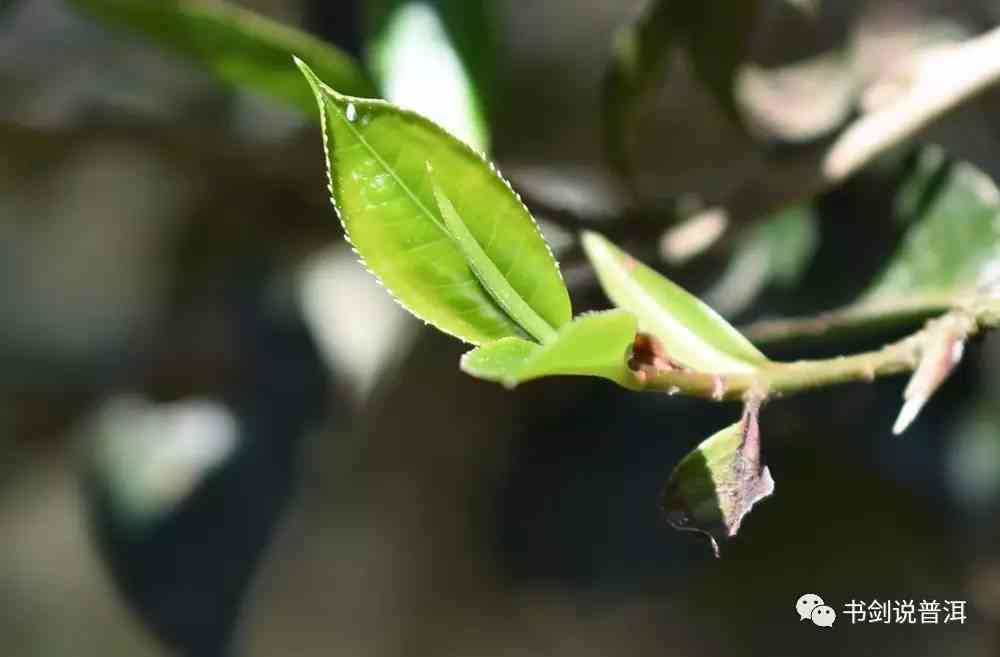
(319, 88)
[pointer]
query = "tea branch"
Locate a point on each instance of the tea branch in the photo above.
(858, 318)
(781, 378)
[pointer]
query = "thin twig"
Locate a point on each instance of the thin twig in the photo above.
(786, 378)
(856, 318)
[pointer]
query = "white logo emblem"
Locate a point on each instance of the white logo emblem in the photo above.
(811, 607)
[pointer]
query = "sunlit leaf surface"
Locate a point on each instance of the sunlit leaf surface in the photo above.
(593, 344)
(381, 160)
(693, 334)
(492, 279)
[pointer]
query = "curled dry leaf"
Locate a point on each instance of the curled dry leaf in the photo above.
(713, 488)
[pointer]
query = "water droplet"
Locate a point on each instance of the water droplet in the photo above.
(352, 112)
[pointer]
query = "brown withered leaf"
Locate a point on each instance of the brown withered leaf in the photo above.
(713, 488)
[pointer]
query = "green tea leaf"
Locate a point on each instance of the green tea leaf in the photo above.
(236, 45)
(429, 56)
(693, 334)
(949, 254)
(713, 488)
(378, 157)
(498, 361)
(593, 344)
(953, 246)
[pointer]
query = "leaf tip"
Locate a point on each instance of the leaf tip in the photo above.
(907, 414)
(591, 240)
(314, 82)
(319, 88)
(306, 71)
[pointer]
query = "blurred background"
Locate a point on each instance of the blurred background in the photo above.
(220, 436)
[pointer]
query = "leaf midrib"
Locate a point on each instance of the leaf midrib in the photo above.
(406, 189)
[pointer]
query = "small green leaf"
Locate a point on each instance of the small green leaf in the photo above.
(948, 257)
(236, 45)
(713, 488)
(693, 334)
(498, 361)
(378, 157)
(953, 246)
(423, 58)
(593, 344)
